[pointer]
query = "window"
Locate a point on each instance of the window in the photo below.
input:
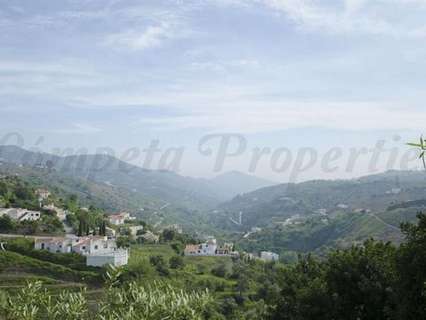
(83, 247)
(96, 247)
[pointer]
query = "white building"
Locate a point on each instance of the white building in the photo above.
(110, 232)
(204, 249)
(394, 191)
(99, 250)
(19, 214)
(120, 218)
(210, 248)
(43, 194)
(342, 206)
(269, 256)
(116, 258)
(133, 230)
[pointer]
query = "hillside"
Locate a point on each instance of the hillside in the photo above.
(308, 216)
(317, 215)
(273, 205)
(164, 186)
(104, 169)
(319, 234)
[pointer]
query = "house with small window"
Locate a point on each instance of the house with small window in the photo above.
(99, 250)
(204, 249)
(134, 231)
(120, 218)
(19, 214)
(53, 244)
(224, 249)
(210, 248)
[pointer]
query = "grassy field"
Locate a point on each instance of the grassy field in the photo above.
(196, 272)
(17, 269)
(141, 253)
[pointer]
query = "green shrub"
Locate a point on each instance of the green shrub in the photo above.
(220, 271)
(176, 262)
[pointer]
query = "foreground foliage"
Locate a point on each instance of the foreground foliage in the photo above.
(129, 302)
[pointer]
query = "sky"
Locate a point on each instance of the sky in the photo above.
(214, 82)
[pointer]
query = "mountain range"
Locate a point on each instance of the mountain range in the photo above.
(129, 187)
(315, 215)
(255, 213)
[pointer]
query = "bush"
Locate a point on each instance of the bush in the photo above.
(220, 271)
(160, 265)
(176, 262)
(177, 247)
(7, 225)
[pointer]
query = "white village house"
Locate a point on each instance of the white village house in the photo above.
(99, 250)
(134, 231)
(43, 194)
(269, 256)
(20, 214)
(120, 218)
(209, 248)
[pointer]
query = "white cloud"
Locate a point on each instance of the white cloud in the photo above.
(257, 117)
(151, 37)
(151, 27)
(354, 16)
(78, 128)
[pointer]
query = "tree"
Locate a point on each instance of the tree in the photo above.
(102, 228)
(176, 262)
(361, 282)
(81, 227)
(168, 235)
(160, 265)
(220, 271)
(6, 224)
(177, 247)
(411, 270)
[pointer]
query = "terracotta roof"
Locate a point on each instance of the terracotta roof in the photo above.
(192, 247)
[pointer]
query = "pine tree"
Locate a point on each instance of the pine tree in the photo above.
(80, 228)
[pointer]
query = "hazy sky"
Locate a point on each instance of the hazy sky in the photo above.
(282, 73)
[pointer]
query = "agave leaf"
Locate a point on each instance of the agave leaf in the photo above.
(414, 145)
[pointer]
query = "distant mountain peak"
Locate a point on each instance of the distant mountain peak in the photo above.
(238, 182)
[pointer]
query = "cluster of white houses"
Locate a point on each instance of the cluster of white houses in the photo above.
(99, 250)
(19, 214)
(210, 248)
